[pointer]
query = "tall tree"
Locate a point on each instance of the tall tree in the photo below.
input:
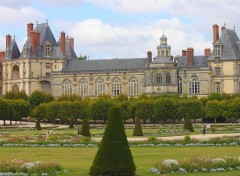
(213, 109)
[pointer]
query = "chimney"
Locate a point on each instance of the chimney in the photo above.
(1, 56)
(222, 28)
(71, 42)
(63, 43)
(8, 40)
(207, 51)
(184, 53)
(190, 56)
(215, 33)
(33, 42)
(29, 28)
(149, 57)
(37, 38)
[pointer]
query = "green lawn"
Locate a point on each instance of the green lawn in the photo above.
(78, 160)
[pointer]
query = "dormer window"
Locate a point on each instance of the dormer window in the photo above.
(47, 49)
(24, 52)
(217, 49)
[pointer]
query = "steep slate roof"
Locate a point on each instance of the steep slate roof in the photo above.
(13, 51)
(161, 60)
(74, 65)
(199, 61)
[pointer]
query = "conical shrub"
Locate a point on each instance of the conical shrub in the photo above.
(188, 124)
(113, 157)
(85, 129)
(137, 128)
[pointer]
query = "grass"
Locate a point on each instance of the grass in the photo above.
(78, 160)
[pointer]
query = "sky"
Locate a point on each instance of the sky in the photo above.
(105, 29)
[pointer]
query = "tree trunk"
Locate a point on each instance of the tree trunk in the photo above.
(4, 122)
(215, 120)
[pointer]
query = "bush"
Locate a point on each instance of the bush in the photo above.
(113, 156)
(137, 128)
(188, 124)
(85, 129)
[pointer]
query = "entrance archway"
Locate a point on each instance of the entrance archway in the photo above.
(46, 87)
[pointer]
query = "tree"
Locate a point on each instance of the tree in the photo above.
(137, 128)
(52, 110)
(20, 108)
(188, 124)
(85, 129)
(39, 113)
(83, 57)
(213, 109)
(235, 108)
(38, 97)
(113, 156)
(69, 98)
(144, 109)
(6, 110)
(67, 112)
(16, 95)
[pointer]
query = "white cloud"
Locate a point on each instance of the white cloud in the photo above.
(2, 42)
(14, 3)
(63, 2)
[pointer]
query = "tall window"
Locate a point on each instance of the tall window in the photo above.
(217, 49)
(217, 60)
(47, 48)
(166, 53)
(99, 87)
(168, 79)
(83, 88)
(159, 78)
(218, 87)
(179, 85)
(194, 86)
(67, 87)
(116, 86)
(15, 72)
(218, 71)
(133, 86)
(162, 53)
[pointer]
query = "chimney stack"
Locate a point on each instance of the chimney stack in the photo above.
(222, 28)
(29, 28)
(184, 53)
(215, 33)
(1, 56)
(33, 42)
(190, 55)
(207, 51)
(63, 43)
(71, 42)
(149, 57)
(8, 40)
(37, 38)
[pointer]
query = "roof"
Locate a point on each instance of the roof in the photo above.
(75, 65)
(199, 61)
(13, 51)
(162, 60)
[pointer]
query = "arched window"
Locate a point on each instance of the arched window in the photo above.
(168, 79)
(133, 86)
(15, 88)
(194, 86)
(180, 85)
(83, 88)
(67, 87)
(159, 78)
(166, 53)
(116, 86)
(15, 72)
(46, 86)
(162, 53)
(99, 87)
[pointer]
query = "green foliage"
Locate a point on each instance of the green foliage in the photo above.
(20, 108)
(52, 110)
(188, 124)
(213, 109)
(137, 128)
(83, 57)
(6, 110)
(69, 98)
(16, 95)
(113, 156)
(39, 113)
(85, 129)
(144, 109)
(38, 97)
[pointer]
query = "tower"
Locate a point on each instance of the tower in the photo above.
(163, 50)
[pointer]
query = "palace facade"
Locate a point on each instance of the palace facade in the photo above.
(52, 66)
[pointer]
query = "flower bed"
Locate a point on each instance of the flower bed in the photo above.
(199, 164)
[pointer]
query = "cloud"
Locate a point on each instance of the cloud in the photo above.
(14, 3)
(2, 42)
(63, 3)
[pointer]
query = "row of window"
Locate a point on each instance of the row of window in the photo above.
(99, 87)
(159, 79)
(194, 85)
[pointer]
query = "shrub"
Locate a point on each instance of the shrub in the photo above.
(85, 129)
(152, 139)
(113, 156)
(137, 128)
(188, 124)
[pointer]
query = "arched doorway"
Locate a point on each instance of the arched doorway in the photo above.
(15, 88)
(15, 72)
(46, 87)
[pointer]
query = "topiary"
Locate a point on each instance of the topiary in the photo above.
(113, 156)
(137, 128)
(85, 129)
(188, 124)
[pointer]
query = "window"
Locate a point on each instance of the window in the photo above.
(217, 60)
(180, 85)
(24, 52)
(238, 69)
(218, 71)
(168, 79)
(217, 49)
(218, 87)
(48, 65)
(99, 87)
(133, 86)
(15, 72)
(162, 53)
(194, 86)
(159, 78)
(47, 48)
(48, 75)
(67, 87)
(116, 86)
(83, 88)
(166, 53)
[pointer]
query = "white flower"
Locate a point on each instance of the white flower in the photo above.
(170, 162)
(218, 160)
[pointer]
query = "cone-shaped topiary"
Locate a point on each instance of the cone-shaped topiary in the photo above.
(137, 128)
(113, 157)
(188, 124)
(85, 129)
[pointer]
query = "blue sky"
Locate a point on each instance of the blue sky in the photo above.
(106, 29)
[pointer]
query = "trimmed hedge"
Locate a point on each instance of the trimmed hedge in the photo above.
(137, 128)
(85, 129)
(188, 124)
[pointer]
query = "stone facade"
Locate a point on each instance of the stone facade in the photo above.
(53, 67)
